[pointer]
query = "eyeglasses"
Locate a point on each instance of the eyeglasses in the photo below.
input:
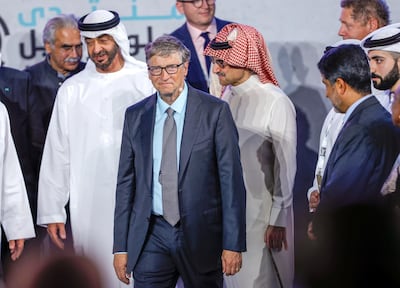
(198, 3)
(157, 70)
(221, 63)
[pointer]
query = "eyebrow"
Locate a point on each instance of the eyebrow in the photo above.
(70, 45)
(377, 57)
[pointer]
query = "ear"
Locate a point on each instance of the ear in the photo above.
(373, 24)
(179, 7)
(47, 47)
(186, 65)
(341, 86)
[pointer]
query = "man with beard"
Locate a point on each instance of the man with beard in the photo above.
(82, 147)
(383, 48)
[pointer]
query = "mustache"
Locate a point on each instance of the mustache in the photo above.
(72, 59)
(101, 53)
(373, 75)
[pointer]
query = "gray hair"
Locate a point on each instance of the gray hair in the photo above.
(58, 22)
(166, 45)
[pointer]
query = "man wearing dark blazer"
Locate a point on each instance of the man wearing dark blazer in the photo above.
(358, 165)
(199, 18)
(14, 93)
(209, 236)
(63, 45)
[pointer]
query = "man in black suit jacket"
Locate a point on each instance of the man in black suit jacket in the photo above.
(63, 45)
(199, 18)
(208, 239)
(14, 93)
(358, 165)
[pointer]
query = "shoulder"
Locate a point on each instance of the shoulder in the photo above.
(267, 93)
(197, 95)
(370, 112)
(145, 104)
(370, 121)
(180, 31)
(221, 23)
(37, 67)
(12, 73)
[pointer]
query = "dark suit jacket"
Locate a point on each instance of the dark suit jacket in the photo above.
(45, 83)
(361, 158)
(195, 75)
(14, 94)
(212, 196)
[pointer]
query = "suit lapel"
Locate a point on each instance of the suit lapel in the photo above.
(192, 121)
(363, 105)
(146, 131)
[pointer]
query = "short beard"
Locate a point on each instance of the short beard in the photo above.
(389, 80)
(111, 56)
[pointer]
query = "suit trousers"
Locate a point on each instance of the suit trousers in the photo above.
(164, 258)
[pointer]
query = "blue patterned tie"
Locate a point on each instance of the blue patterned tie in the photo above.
(206, 41)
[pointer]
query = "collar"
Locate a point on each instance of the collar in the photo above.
(195, 32)
(179, 105)
(354, 106)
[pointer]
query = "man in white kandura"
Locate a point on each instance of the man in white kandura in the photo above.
(81, 153)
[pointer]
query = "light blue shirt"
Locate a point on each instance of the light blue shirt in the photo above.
(354, 106)
(179, 107)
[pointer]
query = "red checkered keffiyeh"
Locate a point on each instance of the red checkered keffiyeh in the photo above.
(243, 46)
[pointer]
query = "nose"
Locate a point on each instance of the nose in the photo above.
(215, 68)
(164, 74)
(76, 51)
(96, 47)
(372, 66)
(342, 31)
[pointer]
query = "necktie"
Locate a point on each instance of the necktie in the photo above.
(206, 41)
(169, 172)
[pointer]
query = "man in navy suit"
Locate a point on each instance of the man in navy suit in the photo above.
(358, 165)
(63, 44)
(199, 19)
(15, 89)
(368, 143)
(209, 236)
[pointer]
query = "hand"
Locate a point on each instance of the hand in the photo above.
(57, 234)
(310, 232)
(231, 262)
(274, 237)
(16, 247)
(314, 201)
(120, 261)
